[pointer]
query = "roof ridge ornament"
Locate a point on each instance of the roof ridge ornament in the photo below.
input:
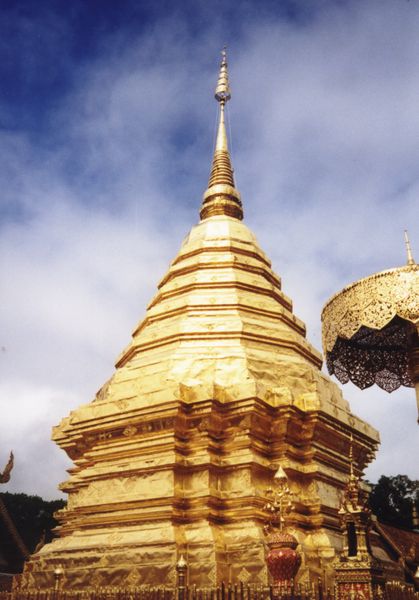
(221, 196)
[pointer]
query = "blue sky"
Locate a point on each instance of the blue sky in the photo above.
(107, 127)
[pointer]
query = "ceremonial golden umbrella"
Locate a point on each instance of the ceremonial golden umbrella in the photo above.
(370, 329)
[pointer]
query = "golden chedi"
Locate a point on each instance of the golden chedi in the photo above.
(217, 389)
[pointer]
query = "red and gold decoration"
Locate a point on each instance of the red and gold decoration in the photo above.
(358, 573)
(283, 560)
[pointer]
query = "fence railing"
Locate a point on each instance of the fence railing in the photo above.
(391, 591)
(400, 591)
(222, 592)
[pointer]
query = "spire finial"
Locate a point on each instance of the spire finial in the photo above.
(221, 196)
(352, 488)
(410, 259)
(351, 456)
(222, 91)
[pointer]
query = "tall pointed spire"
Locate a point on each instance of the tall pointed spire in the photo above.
(221, 196)
(410, 259)
(353, 483)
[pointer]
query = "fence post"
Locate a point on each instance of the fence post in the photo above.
(320, 588)
(181, 568)
(58, 573)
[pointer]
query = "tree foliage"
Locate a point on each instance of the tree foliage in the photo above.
(392, 500)
(32, 516)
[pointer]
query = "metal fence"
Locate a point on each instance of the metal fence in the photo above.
(400, 591)
(391, 591)
(222, 592)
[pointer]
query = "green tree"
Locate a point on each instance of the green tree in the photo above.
(392, 500)
(32, 516)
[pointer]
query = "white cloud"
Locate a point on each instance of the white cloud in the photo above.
(325, 129)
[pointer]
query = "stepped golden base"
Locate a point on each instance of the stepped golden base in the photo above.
(217, 389)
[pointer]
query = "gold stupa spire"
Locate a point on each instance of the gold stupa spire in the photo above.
(410, 259)
(221, 196)
(352, 477)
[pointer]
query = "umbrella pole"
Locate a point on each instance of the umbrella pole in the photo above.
(417, 397)
(414, 370)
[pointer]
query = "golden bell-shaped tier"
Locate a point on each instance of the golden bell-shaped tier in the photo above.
(217, 387)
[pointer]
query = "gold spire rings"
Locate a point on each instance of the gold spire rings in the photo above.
(221, 196)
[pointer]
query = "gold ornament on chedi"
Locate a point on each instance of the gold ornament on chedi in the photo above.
(218, 386)
(370, 329)
(357, 568)
(282, 559)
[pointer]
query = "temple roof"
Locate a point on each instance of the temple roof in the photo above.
(405, 542)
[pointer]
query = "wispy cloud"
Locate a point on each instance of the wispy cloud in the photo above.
(324, 139)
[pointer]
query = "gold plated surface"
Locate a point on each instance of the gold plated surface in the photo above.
(221, 196)
(372, 302)
(357, 568)
(280, 501)
(172, 458)
(370, 329)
